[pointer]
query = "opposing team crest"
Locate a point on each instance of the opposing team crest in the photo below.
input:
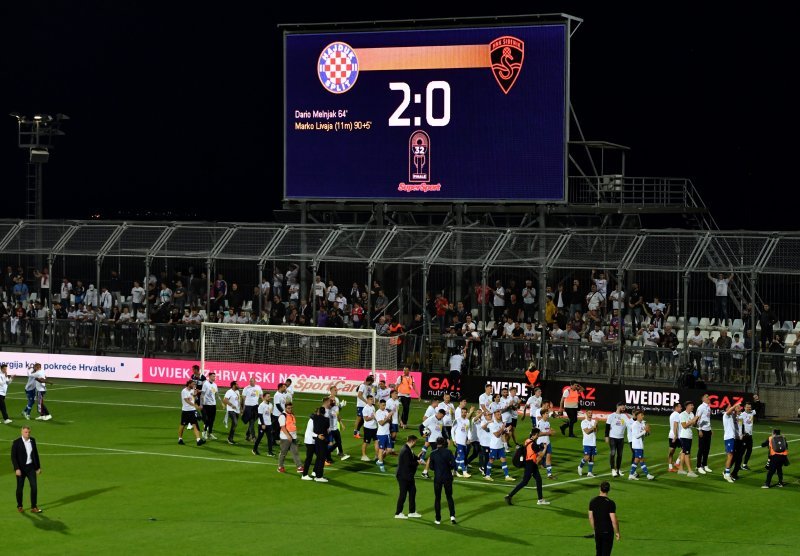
(506, 54)
(338, 67)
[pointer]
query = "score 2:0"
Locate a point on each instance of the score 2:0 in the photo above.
(396, 119)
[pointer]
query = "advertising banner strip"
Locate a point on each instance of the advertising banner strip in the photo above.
(596, 396)
(87, 367)
(304, 379)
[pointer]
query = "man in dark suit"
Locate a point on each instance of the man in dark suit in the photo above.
(25, 458)
(443, 464)
(407, 464)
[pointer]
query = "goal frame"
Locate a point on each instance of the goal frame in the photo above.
(368, 333)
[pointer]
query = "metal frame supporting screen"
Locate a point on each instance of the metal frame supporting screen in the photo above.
(451, 114)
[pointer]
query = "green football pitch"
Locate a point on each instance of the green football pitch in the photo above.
(114, 480)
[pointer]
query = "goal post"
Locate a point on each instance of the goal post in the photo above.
(300, 348)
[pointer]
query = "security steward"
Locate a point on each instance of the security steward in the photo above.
(531, 469)
(569, 402)
(778, 456)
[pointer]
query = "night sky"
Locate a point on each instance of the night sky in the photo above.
(178, 109)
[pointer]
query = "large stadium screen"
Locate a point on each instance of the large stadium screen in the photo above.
(456, 114)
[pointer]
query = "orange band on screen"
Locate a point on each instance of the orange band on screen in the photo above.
(423, 57)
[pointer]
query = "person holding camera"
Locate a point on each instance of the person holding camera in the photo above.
(532, 450)
(778, 457)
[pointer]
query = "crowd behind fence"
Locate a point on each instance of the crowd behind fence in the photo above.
(70, 286)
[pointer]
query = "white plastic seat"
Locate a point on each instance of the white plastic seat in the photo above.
(737, 326)
(705, 323)
(672, 320)
(694, 322)
(33, 296)
(797, 327)
(714, 334)
(790, 339)
(787, 324)
(475, 313)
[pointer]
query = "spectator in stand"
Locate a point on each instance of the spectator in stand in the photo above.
(66, 291)
(550, 312)
(330, 293)
(777, 349)
(292, 275)
(304, 310)
(357, 315)
(278, 311)
(137, 298)
(277, 282)
(737, 357)
(576, 323)
(234, 297)
(515, 308)
(650, 339)
(106, 301)
(355, 294)
(695, 342)
(595, 300)
(317, 293)
(335, 319)
(561, 298)
(617, 298)
(322, 316)
(529, 301)
(724, 344)
(599, 279)
(482, 294)
(499, 301)
(164, 295)
(20, 291)
(179, 295)
(380, 304)
(44, 284)
(461, 312)
(669, 341)
(576, 298)
(10, 280)
(766, 319)
(721, 297)
(558, 339)
(197, 289)
(220, 291)
(79, 291)
(382, 327)
(441, 304)
(636, 305)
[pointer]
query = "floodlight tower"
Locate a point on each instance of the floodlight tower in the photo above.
(37, 135)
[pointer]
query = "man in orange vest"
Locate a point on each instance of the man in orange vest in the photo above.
(405, 385)
(569, 402)
(531, 469)
(288, 435)
(778, 456)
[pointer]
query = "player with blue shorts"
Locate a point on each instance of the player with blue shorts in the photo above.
(589, 429)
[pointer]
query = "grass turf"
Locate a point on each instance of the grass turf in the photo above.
(115, 479)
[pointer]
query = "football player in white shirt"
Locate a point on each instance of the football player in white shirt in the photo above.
(232, 402)
(685, 434)
(639, 429)
(370, 427)
(704, 434)
(430, 411)
(384, 420)
(512, 407)
(616, 423)
(264, 424)
(188, 412)
(393, 405)
(532, 405)
(486, 398)
(730, 420)
(589, 429)
(747, 418)
(279, 401)
(449, 418)
(432, 430)
(461, 438)
(543, 424)
(382, 392)
(336, 424)
(289, 390)
(672, 437)
(483, 438)
(496, 429)
(364, 390)
(208, 401)
(252, 397)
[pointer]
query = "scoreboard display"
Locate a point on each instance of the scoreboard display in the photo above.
(448, 114)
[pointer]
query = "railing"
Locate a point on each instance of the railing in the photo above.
(640, 191)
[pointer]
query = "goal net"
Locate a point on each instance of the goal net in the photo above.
(302, 349)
